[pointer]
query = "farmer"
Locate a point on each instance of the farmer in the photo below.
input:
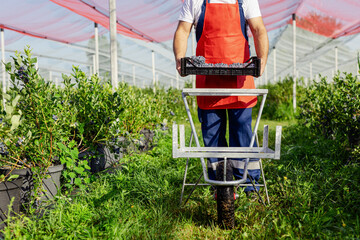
(221, 35)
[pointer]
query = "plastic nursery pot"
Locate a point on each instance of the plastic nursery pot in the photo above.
(50, 185)
(8, 191)
(102, 159)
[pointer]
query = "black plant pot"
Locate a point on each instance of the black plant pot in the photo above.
(50, 185)
(9, 190)
(146, 141)
(102, 159)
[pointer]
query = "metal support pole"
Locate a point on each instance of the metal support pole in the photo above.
(94, 64)
(133, 73)
(177, 80)
(50, 76)
(3, 61)
(96, 69)
(336, 59)
(113, 44)
(266, 76)
(294, 60)
(153, 69)
(193, 48)
(297, 75)
(274, 52)
(357, 63)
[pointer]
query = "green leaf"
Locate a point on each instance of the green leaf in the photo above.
(86, 165)
(14, 176)
(29, 134)
(15, 122)
(9, 110)
(15, 101)
(79, 170)
(8, 67)
(78, 181)
(62, 146)
(72, 144)
(72, 175)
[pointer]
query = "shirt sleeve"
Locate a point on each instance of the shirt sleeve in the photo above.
(187, 12)
(251, 9)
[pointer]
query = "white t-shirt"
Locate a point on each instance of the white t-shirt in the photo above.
(191, 9)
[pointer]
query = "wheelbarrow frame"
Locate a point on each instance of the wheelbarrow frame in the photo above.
(181, 151)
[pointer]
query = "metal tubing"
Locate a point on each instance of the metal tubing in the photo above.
(2, 63)
(264, 180)
(225, 162)
(194, 131)
(153, 69)
(94, 64)
(177, 80)
(97, 64)
(253, 135)
(113, 44)
(193, 189)
(184, 180)
(266, 76)
(224, 92)
(185, 173)
(133, 75)
(294, 61)
(274, 52)
(336, 59)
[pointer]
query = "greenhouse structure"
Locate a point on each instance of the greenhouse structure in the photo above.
(322, 38)
(102, 138)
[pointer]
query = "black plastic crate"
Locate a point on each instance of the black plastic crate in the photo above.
(191, 67)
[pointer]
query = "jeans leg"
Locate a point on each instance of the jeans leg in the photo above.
(213, 126)
(240, 133)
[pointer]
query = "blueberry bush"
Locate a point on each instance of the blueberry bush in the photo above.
(44, 125)
(332, 109)
(278, 104)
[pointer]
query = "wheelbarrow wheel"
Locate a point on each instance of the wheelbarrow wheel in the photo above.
(225, 198)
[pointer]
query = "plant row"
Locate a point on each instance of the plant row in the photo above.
(43, 125)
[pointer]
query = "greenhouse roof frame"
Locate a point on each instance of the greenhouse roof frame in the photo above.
(72, 21)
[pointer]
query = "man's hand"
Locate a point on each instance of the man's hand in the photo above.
(261, 40)
(178, 65)
(180, 42)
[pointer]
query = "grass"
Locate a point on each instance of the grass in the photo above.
(314, 194)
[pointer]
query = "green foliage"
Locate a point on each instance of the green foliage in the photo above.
(278, 104)
(76, 171)
(313, 196)
(95, 106)
(313, 193)
(34, 120)
(333, 109)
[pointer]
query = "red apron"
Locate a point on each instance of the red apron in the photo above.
(222, 41)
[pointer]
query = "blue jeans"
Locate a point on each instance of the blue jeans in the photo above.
(213, 126)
